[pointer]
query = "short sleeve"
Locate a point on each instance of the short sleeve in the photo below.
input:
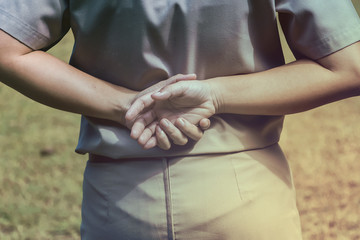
(315, 28)
(39, 24)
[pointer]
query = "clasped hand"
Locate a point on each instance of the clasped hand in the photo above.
(171, 111)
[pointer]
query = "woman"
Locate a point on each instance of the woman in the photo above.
(234, 182)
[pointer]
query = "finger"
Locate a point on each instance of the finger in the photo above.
(173, 90)
(151, 143)
(147, 134)
(164, 83)
(173, 132)
(144, 99)
(138, 106)
(162, 140)
(182, 77)
(204, 123)
(140, 124)
(189, 129)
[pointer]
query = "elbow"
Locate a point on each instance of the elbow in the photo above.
(355, 69)
(6, 64)
(345, 64)
(349, 79)
(354, 79)
(357, 80)
(3, 68)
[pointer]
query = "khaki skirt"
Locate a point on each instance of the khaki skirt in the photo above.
(246, 195)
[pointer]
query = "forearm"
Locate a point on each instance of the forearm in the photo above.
(291, 88)
(52, 82)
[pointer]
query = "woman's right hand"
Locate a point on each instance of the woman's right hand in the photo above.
(143, 123)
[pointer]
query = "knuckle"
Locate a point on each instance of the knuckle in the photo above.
(172, 132)
(143, 139)
(151, 143)
(141, 142)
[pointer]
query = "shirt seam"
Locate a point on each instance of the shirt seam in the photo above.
(168, 199)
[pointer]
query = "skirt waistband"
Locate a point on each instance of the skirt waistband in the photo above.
(99, 158)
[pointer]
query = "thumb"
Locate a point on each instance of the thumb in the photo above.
(138, 106)
(187, 77)
(182, 77)
(173, 90)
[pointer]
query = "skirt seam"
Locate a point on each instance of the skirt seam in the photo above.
(168, 200)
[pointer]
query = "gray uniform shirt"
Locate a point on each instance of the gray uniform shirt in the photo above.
(136, 43)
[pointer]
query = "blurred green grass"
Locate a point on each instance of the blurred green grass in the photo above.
(41, 176)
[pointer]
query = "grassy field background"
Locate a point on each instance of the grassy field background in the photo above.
(41, 176)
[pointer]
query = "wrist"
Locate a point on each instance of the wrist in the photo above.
(121, 105)
(216, 94)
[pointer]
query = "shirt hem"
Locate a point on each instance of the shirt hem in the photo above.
(22, 31)
(334, 42)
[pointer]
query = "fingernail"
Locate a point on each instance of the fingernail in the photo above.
(181, 121)
(166, 122)
(158, 94)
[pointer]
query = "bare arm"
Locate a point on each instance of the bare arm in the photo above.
(296, 87)
(52, 82)
(291, 88)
